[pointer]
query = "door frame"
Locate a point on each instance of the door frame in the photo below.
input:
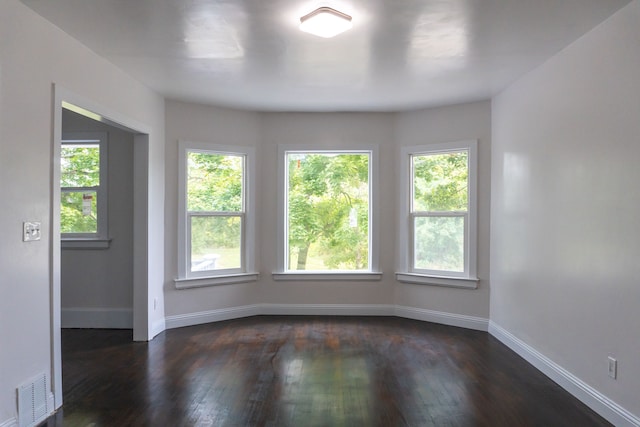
(63, 98)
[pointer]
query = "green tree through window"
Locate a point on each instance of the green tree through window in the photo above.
(215, 206)
(440, 210)
(328, 211)
(82, 184)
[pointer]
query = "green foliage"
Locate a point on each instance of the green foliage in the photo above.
(72, 219)
(214, 185)
(80, 165)
(79, 168)
(214, 182)
(439, 243)
(440, 184)
(219, 235)
(328, 210)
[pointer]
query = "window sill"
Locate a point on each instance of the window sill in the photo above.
(228, 279)
(328, 277)
(88, 243)
(451, 282)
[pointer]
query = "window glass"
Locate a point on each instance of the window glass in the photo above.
(441, 231)
(215, 242)
(83, 187)
(214, 182)
(80, 165)
(439, 243)
(79, 212)
(215, 210)
(327, 211)
(440, 182)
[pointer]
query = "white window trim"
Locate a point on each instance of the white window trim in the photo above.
(246, 273)
(373, 274)
(406, 273)
(100, 239)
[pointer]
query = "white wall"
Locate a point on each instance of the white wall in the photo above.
(199, 123)
(97, 284)
(566, 206)
(265, 131)
(448, 124)
(349, 130)
(33, 55)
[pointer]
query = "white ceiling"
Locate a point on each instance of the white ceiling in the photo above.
(400, 54)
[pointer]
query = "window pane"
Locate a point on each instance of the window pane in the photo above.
(215, 242)
(328, 211)
(214, 182)
(440, 182)
(80, 165)
(439, 243)
(79, 212)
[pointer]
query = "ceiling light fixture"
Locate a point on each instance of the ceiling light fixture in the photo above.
(325, 22)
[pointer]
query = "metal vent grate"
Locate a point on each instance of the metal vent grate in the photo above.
(32, 401)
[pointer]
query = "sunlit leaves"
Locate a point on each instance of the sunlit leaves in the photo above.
(79, 176)
(440, 203)
(215, 192)
(440, 182)
(328, 211)
(72, 217)
(214, 182)
(80, 165)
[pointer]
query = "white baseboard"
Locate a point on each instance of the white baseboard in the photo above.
(157, 327)
(11, 422)
(190, 319)
(451, 319)
(444, 318)
(591, 397)
(97, 318)
(327, 309)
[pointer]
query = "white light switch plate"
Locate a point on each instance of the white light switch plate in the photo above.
(30, 231)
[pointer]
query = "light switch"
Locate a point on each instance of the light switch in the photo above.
(30, 231)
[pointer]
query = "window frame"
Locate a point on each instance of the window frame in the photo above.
(372, 273)
(246, 273)
(100, 239)
(408, 273)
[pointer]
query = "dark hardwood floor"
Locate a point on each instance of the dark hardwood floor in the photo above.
(307, 371)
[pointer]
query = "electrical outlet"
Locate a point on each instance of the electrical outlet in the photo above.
(30, 231)
(613, 368)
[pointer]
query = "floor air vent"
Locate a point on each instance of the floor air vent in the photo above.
(32, 401)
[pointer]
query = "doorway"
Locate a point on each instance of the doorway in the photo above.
(96, 222)
(66, 100)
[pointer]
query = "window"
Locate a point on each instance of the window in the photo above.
(215, 225)
(440, 210)
(327, 200)
(83, 186)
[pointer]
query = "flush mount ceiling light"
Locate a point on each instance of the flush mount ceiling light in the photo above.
(325, 22)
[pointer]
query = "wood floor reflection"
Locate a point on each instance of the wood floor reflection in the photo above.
(307, 371)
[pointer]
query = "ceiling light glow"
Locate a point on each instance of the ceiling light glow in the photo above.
(325, 22)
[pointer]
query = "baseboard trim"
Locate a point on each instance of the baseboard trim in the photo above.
(11, 422)
(209, 316)
(97, 318)
(327, 309)
(588, 395)
(190, 319)
(444, 318)
(157, 327)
